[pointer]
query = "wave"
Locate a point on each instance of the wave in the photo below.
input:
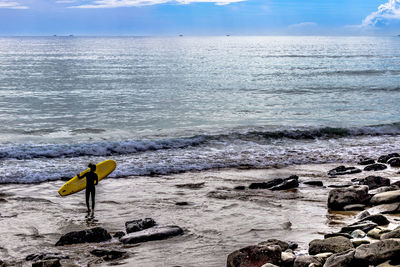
(260, 135)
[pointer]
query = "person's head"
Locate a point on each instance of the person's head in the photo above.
(92, 167)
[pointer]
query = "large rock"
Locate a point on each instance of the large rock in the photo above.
(374, 181)
(386, 197)
(375, 167)
(154, 233)
(382, 189)
(306, 260)
(392, 234)
(139, 225)
(255, 256)
(364, 226)
(343, 170)
(284, 245)
(377, 218)
(386, 208)
(340, 197)
(277, 184)
(97, 234)
(287, 259)
(332, 244)
(378, 252)
(385, 158)
(366, 161)
(394, 162)
(342, 259)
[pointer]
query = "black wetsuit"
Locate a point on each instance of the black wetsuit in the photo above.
(91, 180)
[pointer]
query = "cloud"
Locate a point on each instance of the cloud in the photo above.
(12, 5)
(131, 3)
(386, 12)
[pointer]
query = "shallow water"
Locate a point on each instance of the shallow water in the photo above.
(217, 221)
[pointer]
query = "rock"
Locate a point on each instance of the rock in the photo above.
(385, 197)
(375, 233)
(265, 185)
(269, 265)
(239, 187)
(306, 260)
(323, 256)
(287, 258)
(293, 245)
(385, 158)
(287, 184)
(191, 186)
(340, 197)
(363, 215)
(339, 185)
(154, 233)
(119, 234)
(390, 263)
(377, 218)
(277, 184)
(182, 203)
(383, 189)
(2, 264)
(358, 234)
(47, 263)
(255, 256)
(342, 170)
(374, 182)
(97, 234)
(392, 234)
(378, 252)
(332, 244)
(354, 207)
(359, 242)
(386, 208)
(338, 234)
(366, 161)
(315, 183)
(45, 256)
(394, 162)
(343, 259)
(139, 225)
(282, 244)
(108, 255)
(375, 167)
(365, 226)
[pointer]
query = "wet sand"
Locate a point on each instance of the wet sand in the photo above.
(217, 221)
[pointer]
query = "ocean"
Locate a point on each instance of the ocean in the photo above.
(164, 105)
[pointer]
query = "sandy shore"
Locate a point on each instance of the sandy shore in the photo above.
(217, 221)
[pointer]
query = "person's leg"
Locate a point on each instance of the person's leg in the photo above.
(93, 198)
(87, 193)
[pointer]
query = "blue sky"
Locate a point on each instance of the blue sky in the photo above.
(199, 17)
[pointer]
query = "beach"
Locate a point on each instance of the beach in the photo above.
(217, 219)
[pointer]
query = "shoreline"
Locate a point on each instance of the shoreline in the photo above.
(216, 220)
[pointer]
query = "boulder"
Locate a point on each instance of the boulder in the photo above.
(265, 185)
(392, 234)
(97, 234)
(252, 256)
(364, 226)
(340, 197)
(323, 256)
(343, 170)
(377, 218)
(314, 183)
(108, 255)
(374, 181)
(239, 187)
(375, 233)
(342, 259)
(139, 225)
(287, 259)
(47, 263)
(182, 203)
(385, 197)
(385, 158)
(332, 244)
(394, 162)
(378, 252)
(119, 234)
(293, 245)
(287, 184)
(306, 260)
(284, 245)
(151, 234)
(366, 161)
(375, 167)
(277, 184)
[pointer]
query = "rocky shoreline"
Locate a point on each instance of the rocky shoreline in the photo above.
(369, 241)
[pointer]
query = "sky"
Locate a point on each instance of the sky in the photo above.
(199, 17)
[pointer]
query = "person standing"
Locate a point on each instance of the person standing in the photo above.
(91, 181)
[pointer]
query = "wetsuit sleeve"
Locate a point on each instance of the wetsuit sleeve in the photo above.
(80, 177)
(96, 179)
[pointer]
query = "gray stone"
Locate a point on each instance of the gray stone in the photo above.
(374, 182)
(323, 256)
(284, 245)
(394, 162)
(340, 197)
(365, 226)
(287, 258)
(386, 197)
(392, 234)
(378, 252)
(375, 233)
(385, 158)
(386, 208)
(306, 260)
(379, 219)
(375, 167)
(383, 189)
(358, 234)
(314, 183)
(366, 161)
(96, 234)
(139, 225)
(255, 256)
(342, 259)
(151, 234)
(359, 242)
(363, 214)
(343, 170)
(332, 244)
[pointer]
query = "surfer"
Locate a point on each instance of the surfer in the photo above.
(91, 180)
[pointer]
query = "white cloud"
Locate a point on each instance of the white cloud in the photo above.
(130, 3)
(11, 5)
(386, 12)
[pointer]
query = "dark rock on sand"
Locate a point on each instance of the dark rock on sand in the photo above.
(364, 226)
(374, 181)
(315, 183)
(97, 234)
(270, 242)
(287, 184)
(385, 197)
(366, 161)
(306, 260)
(343, 170)
(340, 197)
(255, 256)
(139, 225)
(182, 203)
(45, 256)
(151, 234)
(119, 234)
(378, 252)
(375, 167)
(363, 215)
(392, 234)
(394, 162)
(191, 186)
(108, 255)
(338, 234)
(379, 219)
(332, 244)
(385, 158)
(342, 259)
(239, 187)
(265, 185)
(293, 245)
(47, 263)
(277, 184)
(339, 185)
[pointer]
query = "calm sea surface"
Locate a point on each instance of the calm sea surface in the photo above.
(166, 105)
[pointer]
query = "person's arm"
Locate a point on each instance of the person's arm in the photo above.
(96, 179)
(80, 177)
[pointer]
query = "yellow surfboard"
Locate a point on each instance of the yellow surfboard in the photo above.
(75, 184)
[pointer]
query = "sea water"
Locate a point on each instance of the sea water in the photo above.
(175, 104)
